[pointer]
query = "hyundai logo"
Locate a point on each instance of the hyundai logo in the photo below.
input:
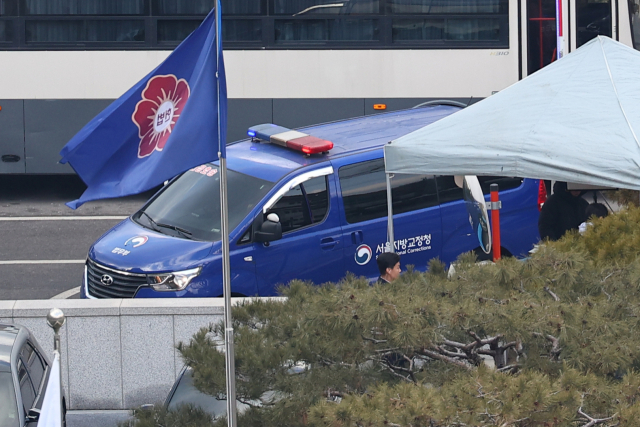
(106, 280)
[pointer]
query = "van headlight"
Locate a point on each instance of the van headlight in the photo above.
(175, 281)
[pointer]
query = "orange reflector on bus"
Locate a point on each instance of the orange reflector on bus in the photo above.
(379, 106)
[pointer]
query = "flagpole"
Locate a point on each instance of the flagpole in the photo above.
(55, 319)
(226, 267)
(226, 276)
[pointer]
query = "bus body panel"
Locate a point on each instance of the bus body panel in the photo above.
(44, 86)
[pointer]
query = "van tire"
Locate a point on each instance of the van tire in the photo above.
(481, 256)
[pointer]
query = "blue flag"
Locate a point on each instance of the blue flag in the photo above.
(165, 124)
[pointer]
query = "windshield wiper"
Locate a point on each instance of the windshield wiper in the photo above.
(154, 225)
(185, 233)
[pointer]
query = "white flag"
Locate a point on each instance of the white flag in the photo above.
(51, 413)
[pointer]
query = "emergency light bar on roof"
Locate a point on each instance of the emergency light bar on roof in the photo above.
(290, 138)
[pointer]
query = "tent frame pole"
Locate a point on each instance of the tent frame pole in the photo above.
(390, 236)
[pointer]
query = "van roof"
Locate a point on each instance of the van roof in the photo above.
(271, 162)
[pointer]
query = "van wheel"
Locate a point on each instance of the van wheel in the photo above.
(481, 256)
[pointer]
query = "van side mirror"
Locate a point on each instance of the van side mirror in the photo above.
(267, 231)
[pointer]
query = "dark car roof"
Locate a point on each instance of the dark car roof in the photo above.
(8, 335)
(271, 162)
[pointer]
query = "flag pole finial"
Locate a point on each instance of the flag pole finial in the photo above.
(55, 319)
(52, 413)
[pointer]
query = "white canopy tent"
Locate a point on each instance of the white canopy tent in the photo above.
(576, 120)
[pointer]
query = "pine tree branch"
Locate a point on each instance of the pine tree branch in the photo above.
(373, 340)
(408, 378)
(387, 350)
(451, 353)
(517, 421)
(550, 292)
(554, 354)
(498, 352)
(608, 275)
(491, 417)
(513, 368)
(509, 345)
(461, 346)
(481, 342)
(332, 393)
(593, 421)
(438, 356)
(453, 343)
(519, 351)
(329, 362)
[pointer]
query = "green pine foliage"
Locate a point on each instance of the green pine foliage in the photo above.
(547, 341)
(183, 416)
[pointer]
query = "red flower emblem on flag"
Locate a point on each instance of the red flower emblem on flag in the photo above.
(156, 114)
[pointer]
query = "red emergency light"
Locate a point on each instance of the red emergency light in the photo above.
(542, 194)
(292, 139)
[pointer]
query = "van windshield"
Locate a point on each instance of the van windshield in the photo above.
(190, 206)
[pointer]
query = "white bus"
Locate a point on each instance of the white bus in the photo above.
(290, 62)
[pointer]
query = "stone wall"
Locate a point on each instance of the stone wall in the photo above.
(117, 354)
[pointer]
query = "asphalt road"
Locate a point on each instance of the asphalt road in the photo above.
(43, 243)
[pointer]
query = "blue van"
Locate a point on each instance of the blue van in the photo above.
(299, 216)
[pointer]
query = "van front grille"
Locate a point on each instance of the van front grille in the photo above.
(104, 282)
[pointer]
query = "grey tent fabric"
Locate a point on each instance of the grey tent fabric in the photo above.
(576, 120)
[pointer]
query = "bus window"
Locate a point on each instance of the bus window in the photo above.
(593, 18)
(634, 18)
(541, 34)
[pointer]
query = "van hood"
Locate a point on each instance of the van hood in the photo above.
(135, 249)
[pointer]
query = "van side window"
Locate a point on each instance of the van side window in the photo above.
(448, 190)
(246, 237)
(318, 198)
(26, 388)
(364, 191)
(35, 365)
(504, 182)
(304, 205)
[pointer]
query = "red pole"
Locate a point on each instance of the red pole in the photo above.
(495, 221)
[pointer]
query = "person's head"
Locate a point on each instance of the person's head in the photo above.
(559, 187)
(389, 266)
(597, 209)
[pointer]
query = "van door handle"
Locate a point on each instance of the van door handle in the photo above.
(357, 237)
(328, 243)
(248, 258)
